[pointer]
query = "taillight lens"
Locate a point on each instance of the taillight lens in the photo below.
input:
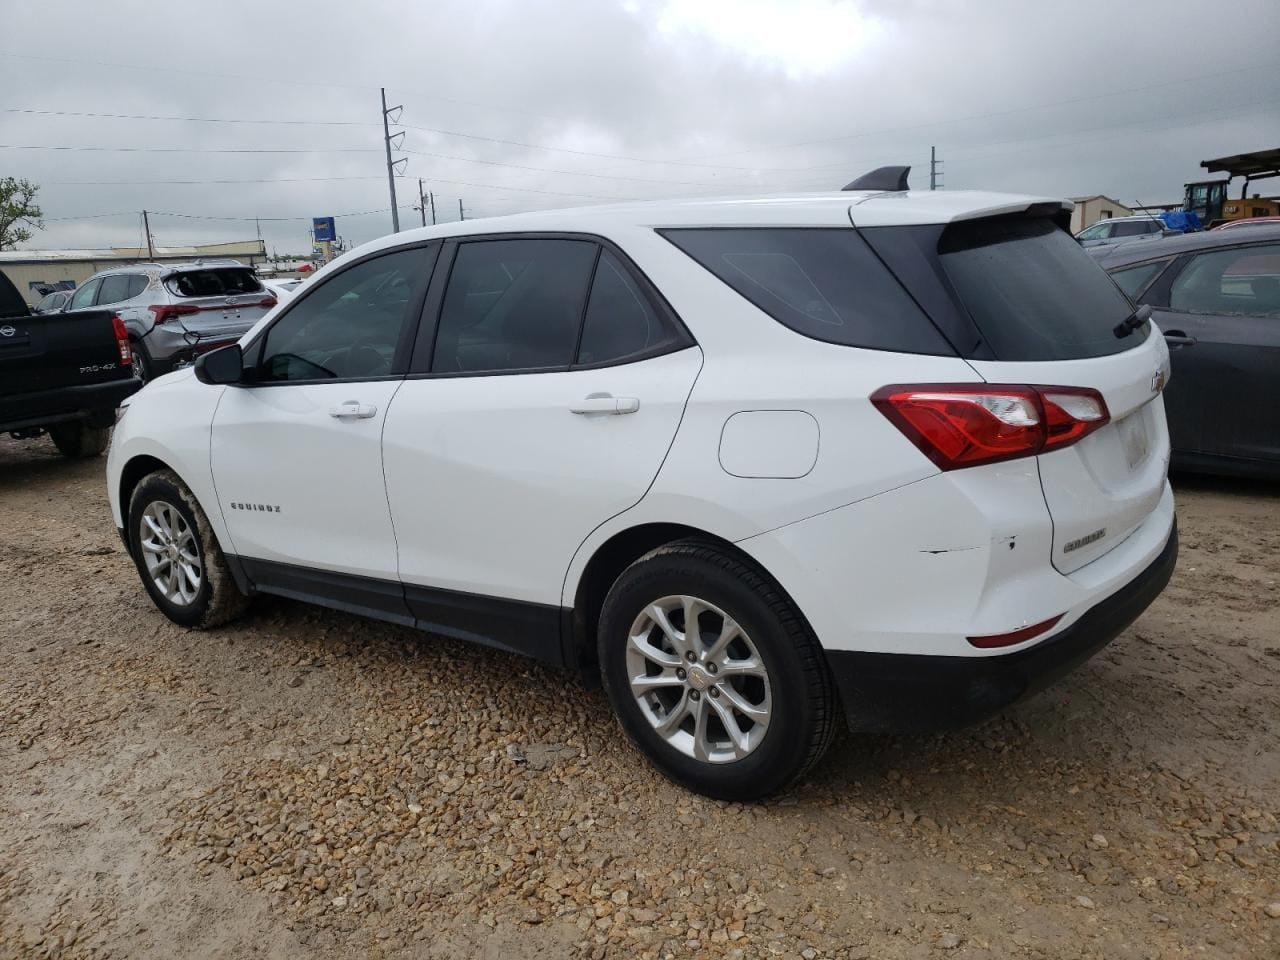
(122, 340)
(964, 425)
(267, 302)
(164, 312)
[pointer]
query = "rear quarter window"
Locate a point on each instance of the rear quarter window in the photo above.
(825, 283)
(1133, 280)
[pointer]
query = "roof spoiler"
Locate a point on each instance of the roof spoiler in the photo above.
(882, 178)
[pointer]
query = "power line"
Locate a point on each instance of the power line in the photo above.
(31, 111)
(149, 183)
(564, 173)
(256, 150)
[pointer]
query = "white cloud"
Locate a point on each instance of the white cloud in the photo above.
(803, 38)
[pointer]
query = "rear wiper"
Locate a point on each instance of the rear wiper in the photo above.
(1133, 321)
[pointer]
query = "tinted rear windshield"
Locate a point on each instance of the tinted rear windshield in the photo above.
(825, 283)
(1033, 293)
(214, 282)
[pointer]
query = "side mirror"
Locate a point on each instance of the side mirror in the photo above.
(224, 365)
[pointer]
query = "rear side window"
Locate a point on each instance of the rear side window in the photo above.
(214, 282)
(513, 305)
(825, 283)
(115, 288)
(1133, 280)
(620, 321)
(1133, 228)
(1033, 292)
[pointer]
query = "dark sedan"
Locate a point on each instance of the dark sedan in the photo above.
(1216, 298)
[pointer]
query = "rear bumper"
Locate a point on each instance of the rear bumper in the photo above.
(94, 402)
(885, 691)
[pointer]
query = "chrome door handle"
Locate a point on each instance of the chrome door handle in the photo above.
(1176, 338)
(605, 404)
(353, 410)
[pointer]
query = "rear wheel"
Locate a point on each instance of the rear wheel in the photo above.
(714, 673)
(177, 555)
(141, 360)
(79, 440)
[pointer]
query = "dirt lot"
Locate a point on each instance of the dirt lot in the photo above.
(307, 784)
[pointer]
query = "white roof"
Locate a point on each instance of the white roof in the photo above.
(866, 208)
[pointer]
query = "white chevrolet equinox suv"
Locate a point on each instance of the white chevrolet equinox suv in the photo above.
(758, 462)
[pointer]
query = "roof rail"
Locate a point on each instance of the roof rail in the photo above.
(881, 178)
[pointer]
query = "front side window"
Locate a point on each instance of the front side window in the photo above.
(1133, 280)
(824, 283)
(1097, 232)
(513, 305)
(1244, 281)
(349, 326)
(114, 289)
(84, 296)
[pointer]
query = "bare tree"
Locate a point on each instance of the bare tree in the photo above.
(18, 206)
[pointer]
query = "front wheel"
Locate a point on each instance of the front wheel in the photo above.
(177, 555)
(713, 672)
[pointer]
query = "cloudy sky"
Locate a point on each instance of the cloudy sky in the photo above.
(514, 104)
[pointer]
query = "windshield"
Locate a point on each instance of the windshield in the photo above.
(1033, 292)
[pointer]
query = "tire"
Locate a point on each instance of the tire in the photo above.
(163, 511)
(78, 440)
(141, 360)
(796, 697)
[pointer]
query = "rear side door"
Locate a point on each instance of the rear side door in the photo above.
(296, 449)
(1220, 314)
(546, 388)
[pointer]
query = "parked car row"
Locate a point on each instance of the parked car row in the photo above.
(175, 312)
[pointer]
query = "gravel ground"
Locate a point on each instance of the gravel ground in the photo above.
(308, 784)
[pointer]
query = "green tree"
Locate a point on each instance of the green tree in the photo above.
(18, 206)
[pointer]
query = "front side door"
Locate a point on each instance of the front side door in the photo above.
(1220, 314)
(296, 450)
(543, 405)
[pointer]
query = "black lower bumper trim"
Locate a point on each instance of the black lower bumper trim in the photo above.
(901, 692)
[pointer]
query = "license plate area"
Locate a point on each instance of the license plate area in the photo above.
(1135, 437)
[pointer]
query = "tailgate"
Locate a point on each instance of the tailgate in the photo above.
(1099, 490)
(59, 350)
(227, 300)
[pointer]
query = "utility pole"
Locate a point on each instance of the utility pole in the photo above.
(432, 198)
(146, 228)
(391, 167)
(460, 214)
(935, 169)
(422, 202)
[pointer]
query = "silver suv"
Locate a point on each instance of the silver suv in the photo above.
(1120, 229)
(175, 312)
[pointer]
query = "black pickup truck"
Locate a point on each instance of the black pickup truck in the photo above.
(62, 373)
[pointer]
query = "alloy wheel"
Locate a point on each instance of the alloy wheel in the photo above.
(171, 552)
(698, 679)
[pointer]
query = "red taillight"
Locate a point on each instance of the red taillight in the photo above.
(122, 340)
(267, 302)
(962, 425)
(1015, 636)
(164, 312)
